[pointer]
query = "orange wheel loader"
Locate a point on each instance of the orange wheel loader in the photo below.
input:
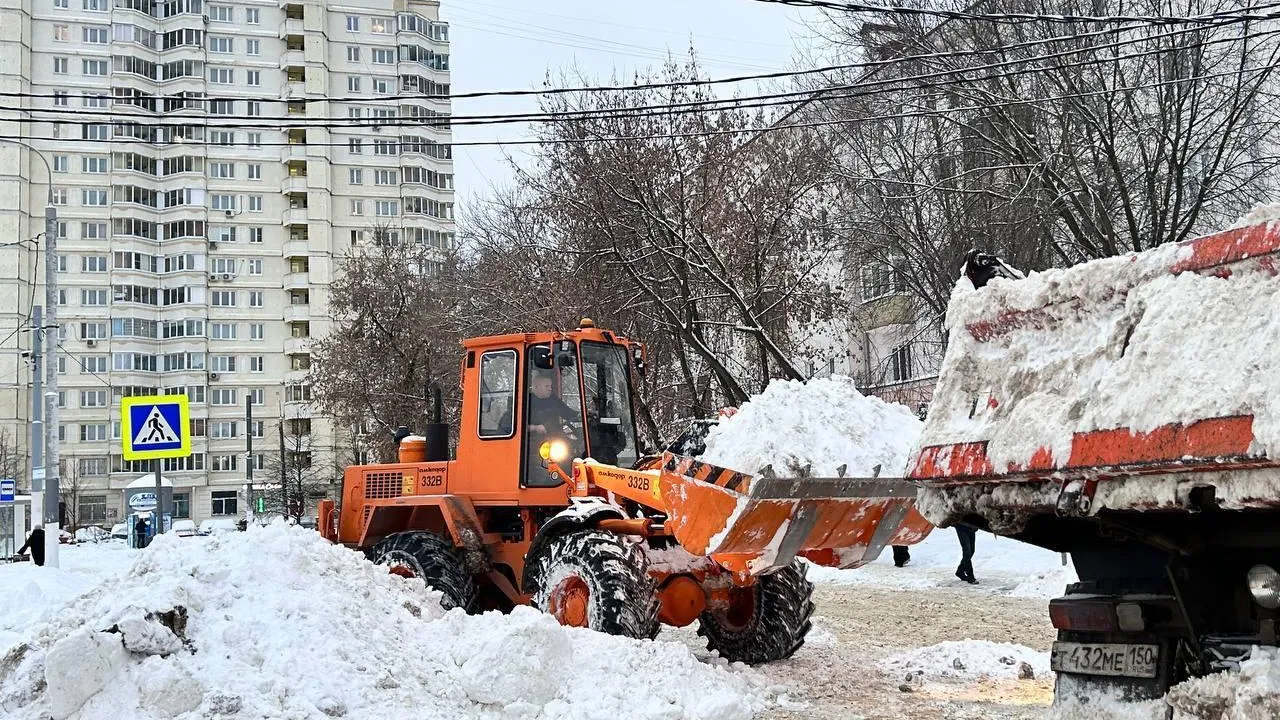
(549, 501)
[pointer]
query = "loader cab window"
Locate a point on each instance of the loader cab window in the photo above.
(553, 408)
(611, 427)
(497, 394)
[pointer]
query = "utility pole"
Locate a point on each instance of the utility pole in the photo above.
(284, 473)
(248, 458)
(52, 516)
(37, 419)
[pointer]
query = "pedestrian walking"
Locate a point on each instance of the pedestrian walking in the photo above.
(35, 543)
(901, 555)
(968, 538)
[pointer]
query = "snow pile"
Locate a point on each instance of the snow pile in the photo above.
(967, 660)
(1261, 213)
(277, 623)
(1252, 692)
(1119, 342)
(824, 423)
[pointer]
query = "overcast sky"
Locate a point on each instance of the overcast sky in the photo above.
(511, 44)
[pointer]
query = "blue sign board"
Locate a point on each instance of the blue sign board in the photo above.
(7, 490)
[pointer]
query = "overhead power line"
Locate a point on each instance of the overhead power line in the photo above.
(866, 88)
(1020, 18)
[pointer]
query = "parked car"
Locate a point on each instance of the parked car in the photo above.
(184, 528)
(92, 533)
(215, 526)
(120, 531)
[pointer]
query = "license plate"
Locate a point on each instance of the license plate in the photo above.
(1106, 659)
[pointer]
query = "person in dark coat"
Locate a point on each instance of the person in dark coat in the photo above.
(140, 538)
(968, 538)
(35, 543)
(901, 555)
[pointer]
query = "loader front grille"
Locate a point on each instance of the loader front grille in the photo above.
(383, 485)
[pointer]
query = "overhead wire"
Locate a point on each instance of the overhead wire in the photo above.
(1014, 17)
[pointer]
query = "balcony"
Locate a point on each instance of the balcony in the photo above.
(297, 313)
(295, 216)
(293, 151)
(294, 183)
(292, 26)
(296, 247)
(297, 281)
(297, 345)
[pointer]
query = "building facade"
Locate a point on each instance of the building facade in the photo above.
(211, 164)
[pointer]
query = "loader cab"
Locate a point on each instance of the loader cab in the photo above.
(571, 390)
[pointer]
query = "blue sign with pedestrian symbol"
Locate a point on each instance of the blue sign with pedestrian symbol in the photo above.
(7, 490)
(154, 427)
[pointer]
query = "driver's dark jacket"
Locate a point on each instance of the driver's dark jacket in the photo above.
(550, 412)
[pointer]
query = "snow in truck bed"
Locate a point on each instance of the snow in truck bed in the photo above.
(823, 423)
(281, 624)
(1118, 342)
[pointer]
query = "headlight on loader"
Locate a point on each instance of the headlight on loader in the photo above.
(1264, 586)
(554, 450)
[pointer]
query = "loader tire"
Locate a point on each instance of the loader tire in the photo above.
(434, 559)
(597, 580)
(765, 622)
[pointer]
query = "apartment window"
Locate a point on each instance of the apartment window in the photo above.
(253, 47)
(62, 33)
(223, 298)
(255, 298)
(221, 75)
(96, 165)
(254, 78)
(355, 145)
(94, 364)
(94, 67)
(93, 331)
(255, 203)
(93, 231)
(95, 132)
(385, 177)
(60, 97)
(223, 429)
(356, 175)
(182, 505)
(222, 331)
(92, 263)
(222, 233)
(353, 23)
(257, 331)
(381, 26)
(61, 4)
(297, 393)
(60, 66)
(62, 230)
(222, 202)
(59, 163)
(225, 138)
(255, 139)
(95, 101)
(91, 509)
(93, 398)
(93, 297)
(223, 266)
(94, 432)
(384, 147)
(258, 396)
(384, 56)
(93, 466)
(253, 108)
(353, 84)
(224, 501)
(255, 235)
(221, 170)
(59, 196)
(222, 396)
(900, 363)
(222, 363)
(254, 266)
(96, 35)
(96, 5)
(93, 198)
(256, 363)
(386, 208)
(357, 207)
(353, 53)
(220, 44)
(222, 107)
(255, 171)
(383, 86)
(220, 13)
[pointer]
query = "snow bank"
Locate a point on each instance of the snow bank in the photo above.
(1250, 693)
(1119, 342)
(967, 660)
(824, 423)
(277, 623)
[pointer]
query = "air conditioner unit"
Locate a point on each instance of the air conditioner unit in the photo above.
(226, 276)
(213, 376)
(213, 245)
(213, 277)
(91, 343)
(230, 213)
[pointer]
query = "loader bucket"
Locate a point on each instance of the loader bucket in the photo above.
(758, 524)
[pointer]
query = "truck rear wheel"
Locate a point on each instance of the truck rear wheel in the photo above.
(764, 622)
(434, 559)
(597, 580)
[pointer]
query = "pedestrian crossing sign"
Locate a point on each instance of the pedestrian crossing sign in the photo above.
(155, 426)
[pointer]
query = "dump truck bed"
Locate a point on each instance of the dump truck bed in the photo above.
(1141, 382)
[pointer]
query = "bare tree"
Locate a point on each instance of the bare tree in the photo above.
(298, 473)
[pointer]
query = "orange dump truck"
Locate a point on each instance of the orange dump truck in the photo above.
(549, 500)
(1126, 411)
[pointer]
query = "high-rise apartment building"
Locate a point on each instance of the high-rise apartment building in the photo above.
(212, 163)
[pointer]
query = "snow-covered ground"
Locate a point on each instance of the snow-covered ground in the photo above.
(1002, 566)
(280, 624)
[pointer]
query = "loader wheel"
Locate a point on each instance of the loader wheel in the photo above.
(434, 559)
(596, 580)
(764, 622)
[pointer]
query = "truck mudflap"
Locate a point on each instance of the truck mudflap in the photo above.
(757, 524)
(1096, 387)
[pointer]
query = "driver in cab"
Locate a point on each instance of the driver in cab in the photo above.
(548, 414)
